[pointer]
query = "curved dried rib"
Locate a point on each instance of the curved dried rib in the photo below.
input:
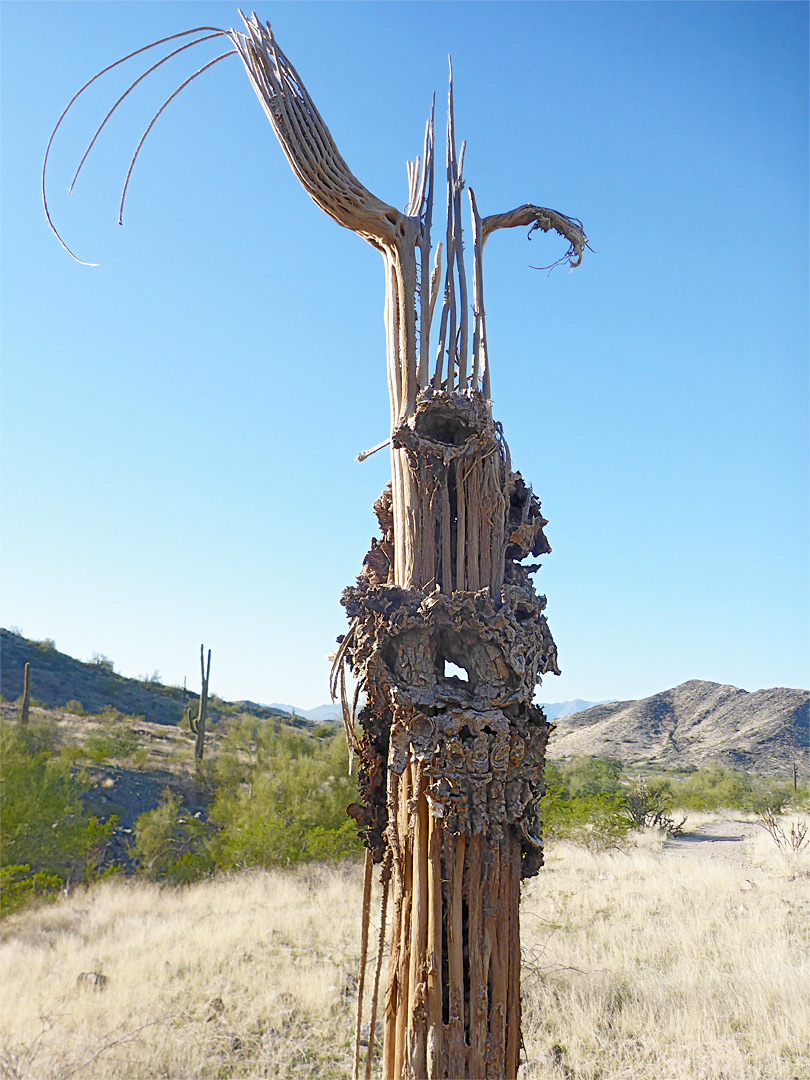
(126, 93)
(154, 120)
(77, 95)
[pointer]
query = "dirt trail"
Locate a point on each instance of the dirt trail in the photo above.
(722, 839)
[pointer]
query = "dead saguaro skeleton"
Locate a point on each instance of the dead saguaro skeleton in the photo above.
(450, 768)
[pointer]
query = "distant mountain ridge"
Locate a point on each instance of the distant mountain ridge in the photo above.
(326, 713)
(695, 723)
(319, 715)
(555, 709)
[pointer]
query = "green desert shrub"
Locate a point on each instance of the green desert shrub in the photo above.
(278, 797)
(587, 776)
(714, 787)
(585, 803)
(171, 843)
(47, 838)
(115, 741)
(281, 796)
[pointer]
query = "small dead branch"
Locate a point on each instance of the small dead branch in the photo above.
(367, 453)
(648, 807)
(794, 841)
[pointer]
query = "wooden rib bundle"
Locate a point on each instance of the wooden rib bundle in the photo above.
(451, 771)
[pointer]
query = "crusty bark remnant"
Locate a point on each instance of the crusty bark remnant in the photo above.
(479, 743)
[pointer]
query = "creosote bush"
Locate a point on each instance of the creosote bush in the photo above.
(112, 743)
(714, 787)
(585, 803)
(171, 843)
(592, 802)
(278, 797)
(47, 838)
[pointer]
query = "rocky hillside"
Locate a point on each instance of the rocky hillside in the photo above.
(694, 724)
(57, 679)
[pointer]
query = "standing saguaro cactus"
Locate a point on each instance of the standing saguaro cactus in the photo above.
(197, 723)
(26, 698)
(447, 636)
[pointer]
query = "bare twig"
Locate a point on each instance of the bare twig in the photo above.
(795, 841)
(367, 453)
(109, 1045)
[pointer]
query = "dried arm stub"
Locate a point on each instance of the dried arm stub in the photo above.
(541, 217)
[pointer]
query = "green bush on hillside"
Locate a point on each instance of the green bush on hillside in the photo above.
(281, 796)
(171, 843)
(278, 797)
(115, 741)
(47, 838)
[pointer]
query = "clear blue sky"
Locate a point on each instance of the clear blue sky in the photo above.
(180, 426)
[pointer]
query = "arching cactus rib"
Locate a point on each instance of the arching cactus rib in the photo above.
(128, 91)
(216, 30)
(156, 117)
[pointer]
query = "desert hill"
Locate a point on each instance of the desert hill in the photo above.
(696, 723)
(57, 679)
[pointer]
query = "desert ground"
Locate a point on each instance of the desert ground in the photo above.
(684, 959)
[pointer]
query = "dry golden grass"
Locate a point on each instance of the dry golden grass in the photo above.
(637, 966)
(245, 976)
